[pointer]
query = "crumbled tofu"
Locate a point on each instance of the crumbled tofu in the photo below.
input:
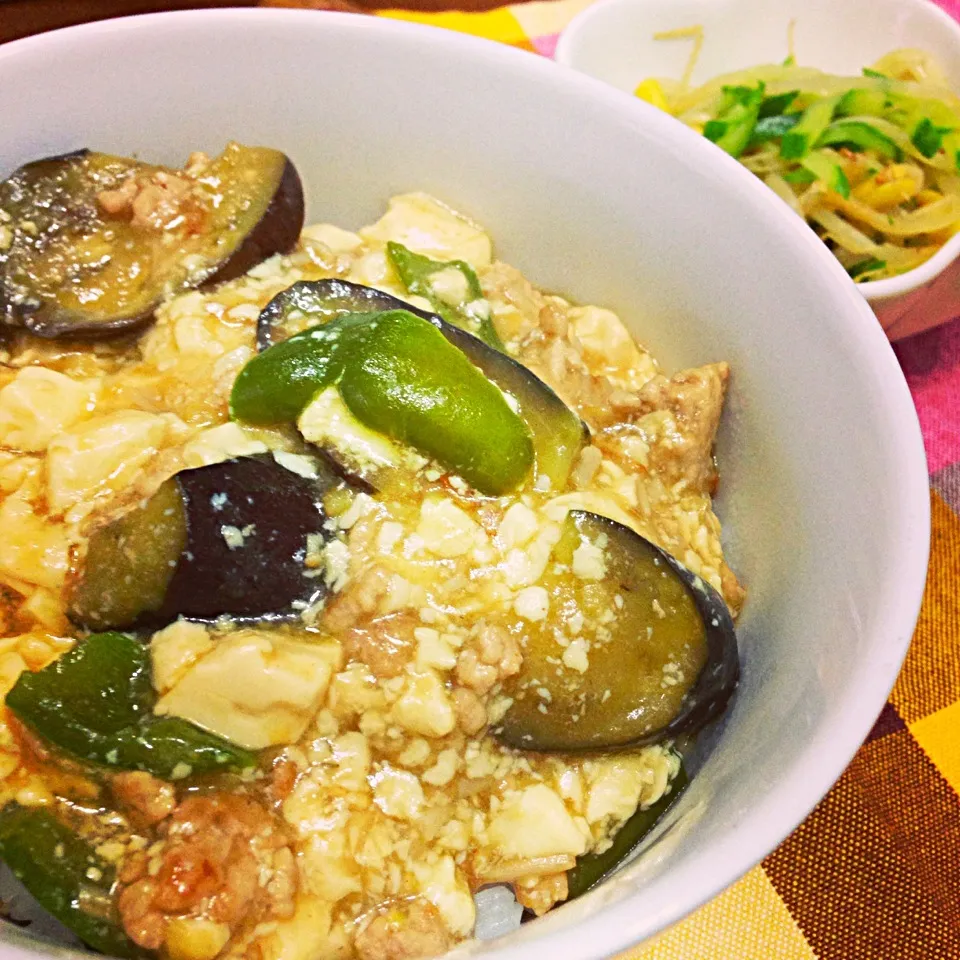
(355, 691)
(444, 770)
(446, 530)
(351, 754)
(434, 649)
(450, 286)
(195, 938)
(359, 507)
(517, 527)
(532, 603)
(105, 451)
(416, 754)
(427, 226)
(334, 238)
(575, 656)
(254, 689)
(327, 421)
(306, 935)
(440, 883)
(236, 537)
(174, 649)
(607, 345)
(424, 707)
(535, 823)
(217, 444)
(39, 404)
(617, 785)
(589, 561)
(593, 501)
(336, 565)
(389, 536)
(296, 463)
(397, 793)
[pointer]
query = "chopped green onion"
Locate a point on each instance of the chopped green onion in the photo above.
(733, 126)
(713, 130)
(928, 137)
(875, 74)
(790, 61)
(799, 176)
(799, 141)
(772, 106)
(866, 266)
(828, 172)
(861, 102)
(859, 136)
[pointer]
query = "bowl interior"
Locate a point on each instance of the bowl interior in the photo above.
(609, 203)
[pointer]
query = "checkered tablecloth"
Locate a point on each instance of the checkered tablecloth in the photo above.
(874, 872)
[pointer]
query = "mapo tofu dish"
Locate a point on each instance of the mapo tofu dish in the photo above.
(351, 587)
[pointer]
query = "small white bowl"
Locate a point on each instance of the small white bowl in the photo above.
(613, 41)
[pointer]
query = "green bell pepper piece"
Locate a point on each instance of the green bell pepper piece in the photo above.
(65, 876)
(420, 276)
(277, 384)
(861, 136)
(96, 702)
(591, 868)
(399, 375)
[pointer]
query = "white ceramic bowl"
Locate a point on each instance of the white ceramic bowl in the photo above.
(824, 491)
(612, 40)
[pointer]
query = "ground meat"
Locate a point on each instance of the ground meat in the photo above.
(358, 601)
(491, 655)
(539, 894)
(386, 645)
(404, 930)
(694, 401)
(145, 798)
(221, 857)
(470, 711)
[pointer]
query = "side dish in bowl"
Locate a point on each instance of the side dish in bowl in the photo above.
(882, 119)
(346, 576)
(871, 163)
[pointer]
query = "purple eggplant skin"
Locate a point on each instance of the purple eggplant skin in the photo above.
(277, 231)
(59, 195)
(309, 302)
(248, 521)
(237, 532)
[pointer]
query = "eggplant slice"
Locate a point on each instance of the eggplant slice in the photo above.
(660, 661)
(310, 302)
(95, 242)
(230, 539)
(558, 434)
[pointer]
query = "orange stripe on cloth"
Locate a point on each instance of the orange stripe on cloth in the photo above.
(930, 679)
(865, 875)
